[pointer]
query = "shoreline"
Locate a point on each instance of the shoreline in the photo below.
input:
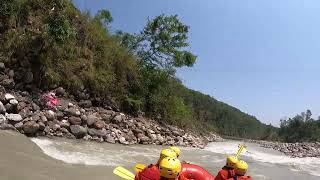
(25, 113)
(294, 150)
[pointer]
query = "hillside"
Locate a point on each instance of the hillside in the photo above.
(50, 43)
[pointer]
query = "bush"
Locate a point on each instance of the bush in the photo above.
(59, 27)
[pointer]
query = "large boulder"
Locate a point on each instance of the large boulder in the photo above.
(143, 139)
(137, 131)
(160, 138)
(99, 124)
(14, 102)
(43, 119)
(2, 66)
(73, 112)
(42, 126)
(153, 137)
(35, 107)
(118, 118)
(75, 120)
(2, 108)
(30, 127)
(8, 97)
(122, 140)
(14, 117)
(28, 77)
(78, 131)
(110, 139)
(2, 119)
(21, 106)
(18, 125)
(50, 115)
(8, 83)
(106, 117)
(96, 132)
(11, 73)
(65, 124)
(11, 108)
(7, 127)
(85, 104)
(60, 91)
(130, 136)
(91, 119)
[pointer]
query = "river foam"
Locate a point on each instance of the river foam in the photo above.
(90, 153)
(309, 164)
(50, 148)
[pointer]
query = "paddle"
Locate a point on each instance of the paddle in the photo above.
(240, 150)
(139, 167)
(123, 173)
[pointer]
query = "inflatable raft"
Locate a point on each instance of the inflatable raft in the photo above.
(194, 172)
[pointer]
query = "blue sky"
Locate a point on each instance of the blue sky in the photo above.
(262, 57)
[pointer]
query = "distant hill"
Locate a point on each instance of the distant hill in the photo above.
(225, 119)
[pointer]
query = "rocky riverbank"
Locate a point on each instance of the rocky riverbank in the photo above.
(27, 113)
(295, 150)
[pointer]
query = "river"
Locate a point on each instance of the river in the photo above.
(62, 159)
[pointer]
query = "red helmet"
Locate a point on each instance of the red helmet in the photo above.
(149, 173)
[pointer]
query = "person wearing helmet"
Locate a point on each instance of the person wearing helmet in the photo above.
(152, 172)
(169, 168)
(228, 170)
(241, 169)
(166, 153)
(176, 150)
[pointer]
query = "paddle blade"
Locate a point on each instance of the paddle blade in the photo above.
(123, 173)
(139, 167)
(242, 148)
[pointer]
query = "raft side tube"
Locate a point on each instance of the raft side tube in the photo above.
(194, 172)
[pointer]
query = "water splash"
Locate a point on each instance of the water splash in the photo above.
(308, 164)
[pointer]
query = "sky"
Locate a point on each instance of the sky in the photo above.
(262, 57)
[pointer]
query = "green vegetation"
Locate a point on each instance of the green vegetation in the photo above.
(300, 128)
(64, 47)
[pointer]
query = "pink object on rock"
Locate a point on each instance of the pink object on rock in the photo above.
(50, 100)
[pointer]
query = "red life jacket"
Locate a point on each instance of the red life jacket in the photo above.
(241, 178)
(225, 173)
(149, 173)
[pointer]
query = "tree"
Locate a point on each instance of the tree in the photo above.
(300, 128)
(308, 115)
(162, 44)
(164, 39)
(104, 17)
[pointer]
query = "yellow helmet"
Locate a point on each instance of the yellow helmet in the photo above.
(170, 167)
(231, 161)
(241, 168)
(176, 150)
(167, 153)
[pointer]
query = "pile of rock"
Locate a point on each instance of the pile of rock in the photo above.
(294, 149)
(23, 113)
